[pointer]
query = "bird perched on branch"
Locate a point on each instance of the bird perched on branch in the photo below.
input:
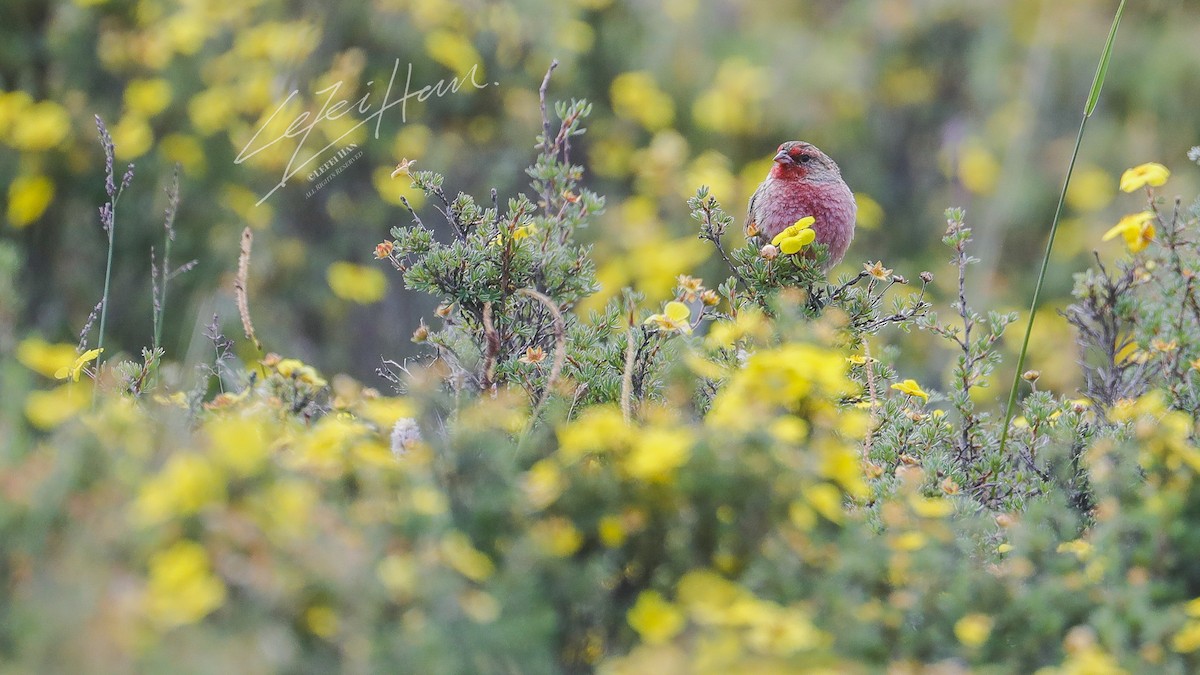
(804, 182)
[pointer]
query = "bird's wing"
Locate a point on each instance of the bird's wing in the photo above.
(750, 214)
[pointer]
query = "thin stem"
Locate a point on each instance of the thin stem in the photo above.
(107, 280)
(1088, 108)
(1037, 290)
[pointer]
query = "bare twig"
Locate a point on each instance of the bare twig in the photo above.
(560, 346)
(239, 287)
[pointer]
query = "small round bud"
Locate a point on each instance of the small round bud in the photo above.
(443, 310)
(768, 252)
(752, 230)
(1031, 375)
(383, 250)
(926, 277)
(710, 298)
(421, 334)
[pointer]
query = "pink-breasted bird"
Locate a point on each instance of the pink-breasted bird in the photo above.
(805, 182)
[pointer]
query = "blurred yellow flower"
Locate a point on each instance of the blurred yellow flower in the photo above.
(931, 507)
(870, 213)
(612, 531)
(399, 575)
(1187, 640)
(132, 137)
(479, 606)
(733, 104)
(468, 561)
(73, 371)
(28, 197)
(911, 388)
(42, 357)
(1079, 547)
(48, 409)
(455, 51)
(794, 238)
(42, 126)
(1150, 174)
(973, 629)
(1091, 189)
(148, 97)
(544, 483)
(655, 619)
(657, 452)
(827, 500)
(596, 429)
(186, 484)
(321, 620)
(674, 318)
(186, 150)
(978, 169)
(636, 96)
(182, 588)
(295, 369)
(239, 444)
(357, 283)
(1137, 229)
(557, 537)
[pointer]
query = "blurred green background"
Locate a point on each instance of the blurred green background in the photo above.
(925, 104)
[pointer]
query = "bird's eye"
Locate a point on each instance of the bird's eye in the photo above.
(805, 158)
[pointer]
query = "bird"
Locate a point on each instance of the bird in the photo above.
(803, 181)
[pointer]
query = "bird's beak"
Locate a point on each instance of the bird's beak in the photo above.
(782, 157)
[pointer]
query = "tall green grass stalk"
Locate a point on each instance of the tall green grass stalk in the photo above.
(108, 220)
(1093, 97)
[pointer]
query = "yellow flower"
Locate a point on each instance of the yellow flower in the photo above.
(533, 355)
(689, 286)
(42, 357)
(28, 197)
(655, 619)
(321, 620)
(182, 588)
(973, 629)
(674, 318)
(72, 372)
(796, 237)
(911, 388)
(296, 369)
(1079, 547)
(827, 500)
(612, 531)
(658, 452)
(147, 97)
(636, 96)
(1151, 173)
(931, 507)
(557, 537)
(48, 409)
(187, 484)
(543, 483)
(1187, 639)
(41, 126)
(1136, 228)
(356, 283)
(878, 271)
(467, 560)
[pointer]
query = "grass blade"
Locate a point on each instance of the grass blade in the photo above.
(1093, 97)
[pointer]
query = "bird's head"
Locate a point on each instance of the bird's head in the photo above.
(797, 160)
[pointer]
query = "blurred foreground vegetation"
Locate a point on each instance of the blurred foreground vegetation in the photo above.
(590, 444)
